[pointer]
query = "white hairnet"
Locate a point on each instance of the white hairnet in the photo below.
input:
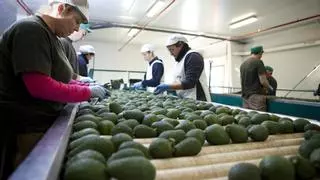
(86, 49)
(174, 38)
(147, 47)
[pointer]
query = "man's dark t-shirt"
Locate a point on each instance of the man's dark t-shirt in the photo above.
(70, 53)
(30, 46)
(250, 82)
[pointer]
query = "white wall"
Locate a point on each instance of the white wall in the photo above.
(109, 58)
(236, 62)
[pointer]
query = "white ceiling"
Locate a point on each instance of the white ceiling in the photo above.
(211, 17)
(214, 16)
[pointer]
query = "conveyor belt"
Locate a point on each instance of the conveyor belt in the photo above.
(45, 161)
(215, 161)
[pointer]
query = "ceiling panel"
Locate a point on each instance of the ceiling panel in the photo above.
(214, 16)
(209, 16)
(108, 34)
(157, 38)
(123, 11)
(201, 43)
(7, 8)
(198, 16)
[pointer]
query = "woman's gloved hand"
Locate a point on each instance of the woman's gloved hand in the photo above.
(99, 92)
(137, 85)
(161, 88)
(86, 79)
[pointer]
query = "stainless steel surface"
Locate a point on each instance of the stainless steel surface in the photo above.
(45, 160)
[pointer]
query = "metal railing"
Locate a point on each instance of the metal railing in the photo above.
(280, 89)
(106, 75)
(281, 92)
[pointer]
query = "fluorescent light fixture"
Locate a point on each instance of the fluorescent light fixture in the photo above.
(127, 17)
(155, 9)
(133, 32)
(244, 16)
(236, 23)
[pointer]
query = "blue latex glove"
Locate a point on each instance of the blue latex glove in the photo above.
(108, 93)
(98, 92)
(137, 85)
(161, 88)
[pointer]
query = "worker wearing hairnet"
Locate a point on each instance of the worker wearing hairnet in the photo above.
(190, 80)
(87, 53)
(272, 81)
(155, 69)
(35, 78)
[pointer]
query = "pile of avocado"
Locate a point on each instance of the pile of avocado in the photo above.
(180, 127)
(304, 166)
(94, 157)
(177, 143)
(276, 168)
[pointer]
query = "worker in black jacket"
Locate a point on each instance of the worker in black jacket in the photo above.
(317, 92)
(155, 69)
(87, 53)
(189, 79)
(272, 81)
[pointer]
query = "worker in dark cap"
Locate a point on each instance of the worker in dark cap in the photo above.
(254, 83)
(272, 81)
(317, 92)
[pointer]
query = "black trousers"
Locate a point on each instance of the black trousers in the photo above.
(15, 121)
(8, 149)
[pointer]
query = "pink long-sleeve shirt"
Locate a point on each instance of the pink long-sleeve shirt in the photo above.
(44, 87)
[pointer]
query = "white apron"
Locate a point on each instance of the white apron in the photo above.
(179, 76)
(149, 74)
